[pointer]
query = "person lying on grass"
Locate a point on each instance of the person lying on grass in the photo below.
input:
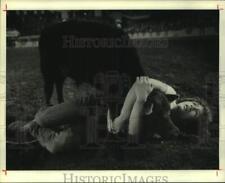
(145, 103)
(147, 108)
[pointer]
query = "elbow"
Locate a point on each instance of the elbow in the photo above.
(171, 91)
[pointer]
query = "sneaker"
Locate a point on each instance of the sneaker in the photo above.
(18, 133)
(16, 126)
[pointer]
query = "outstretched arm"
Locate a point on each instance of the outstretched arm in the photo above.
(133, 105)
(135, 99)
(142, 89)
(125, 111)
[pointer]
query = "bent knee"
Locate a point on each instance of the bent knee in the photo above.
(53, 149)
(56, 147)
(63, 142)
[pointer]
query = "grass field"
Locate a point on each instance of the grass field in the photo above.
(190, 66)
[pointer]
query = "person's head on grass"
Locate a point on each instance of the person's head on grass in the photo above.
(191, 115)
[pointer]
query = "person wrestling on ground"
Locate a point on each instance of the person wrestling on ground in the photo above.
(57, 129)
(147, 108)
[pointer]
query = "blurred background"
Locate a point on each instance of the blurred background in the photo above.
(27, 23)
